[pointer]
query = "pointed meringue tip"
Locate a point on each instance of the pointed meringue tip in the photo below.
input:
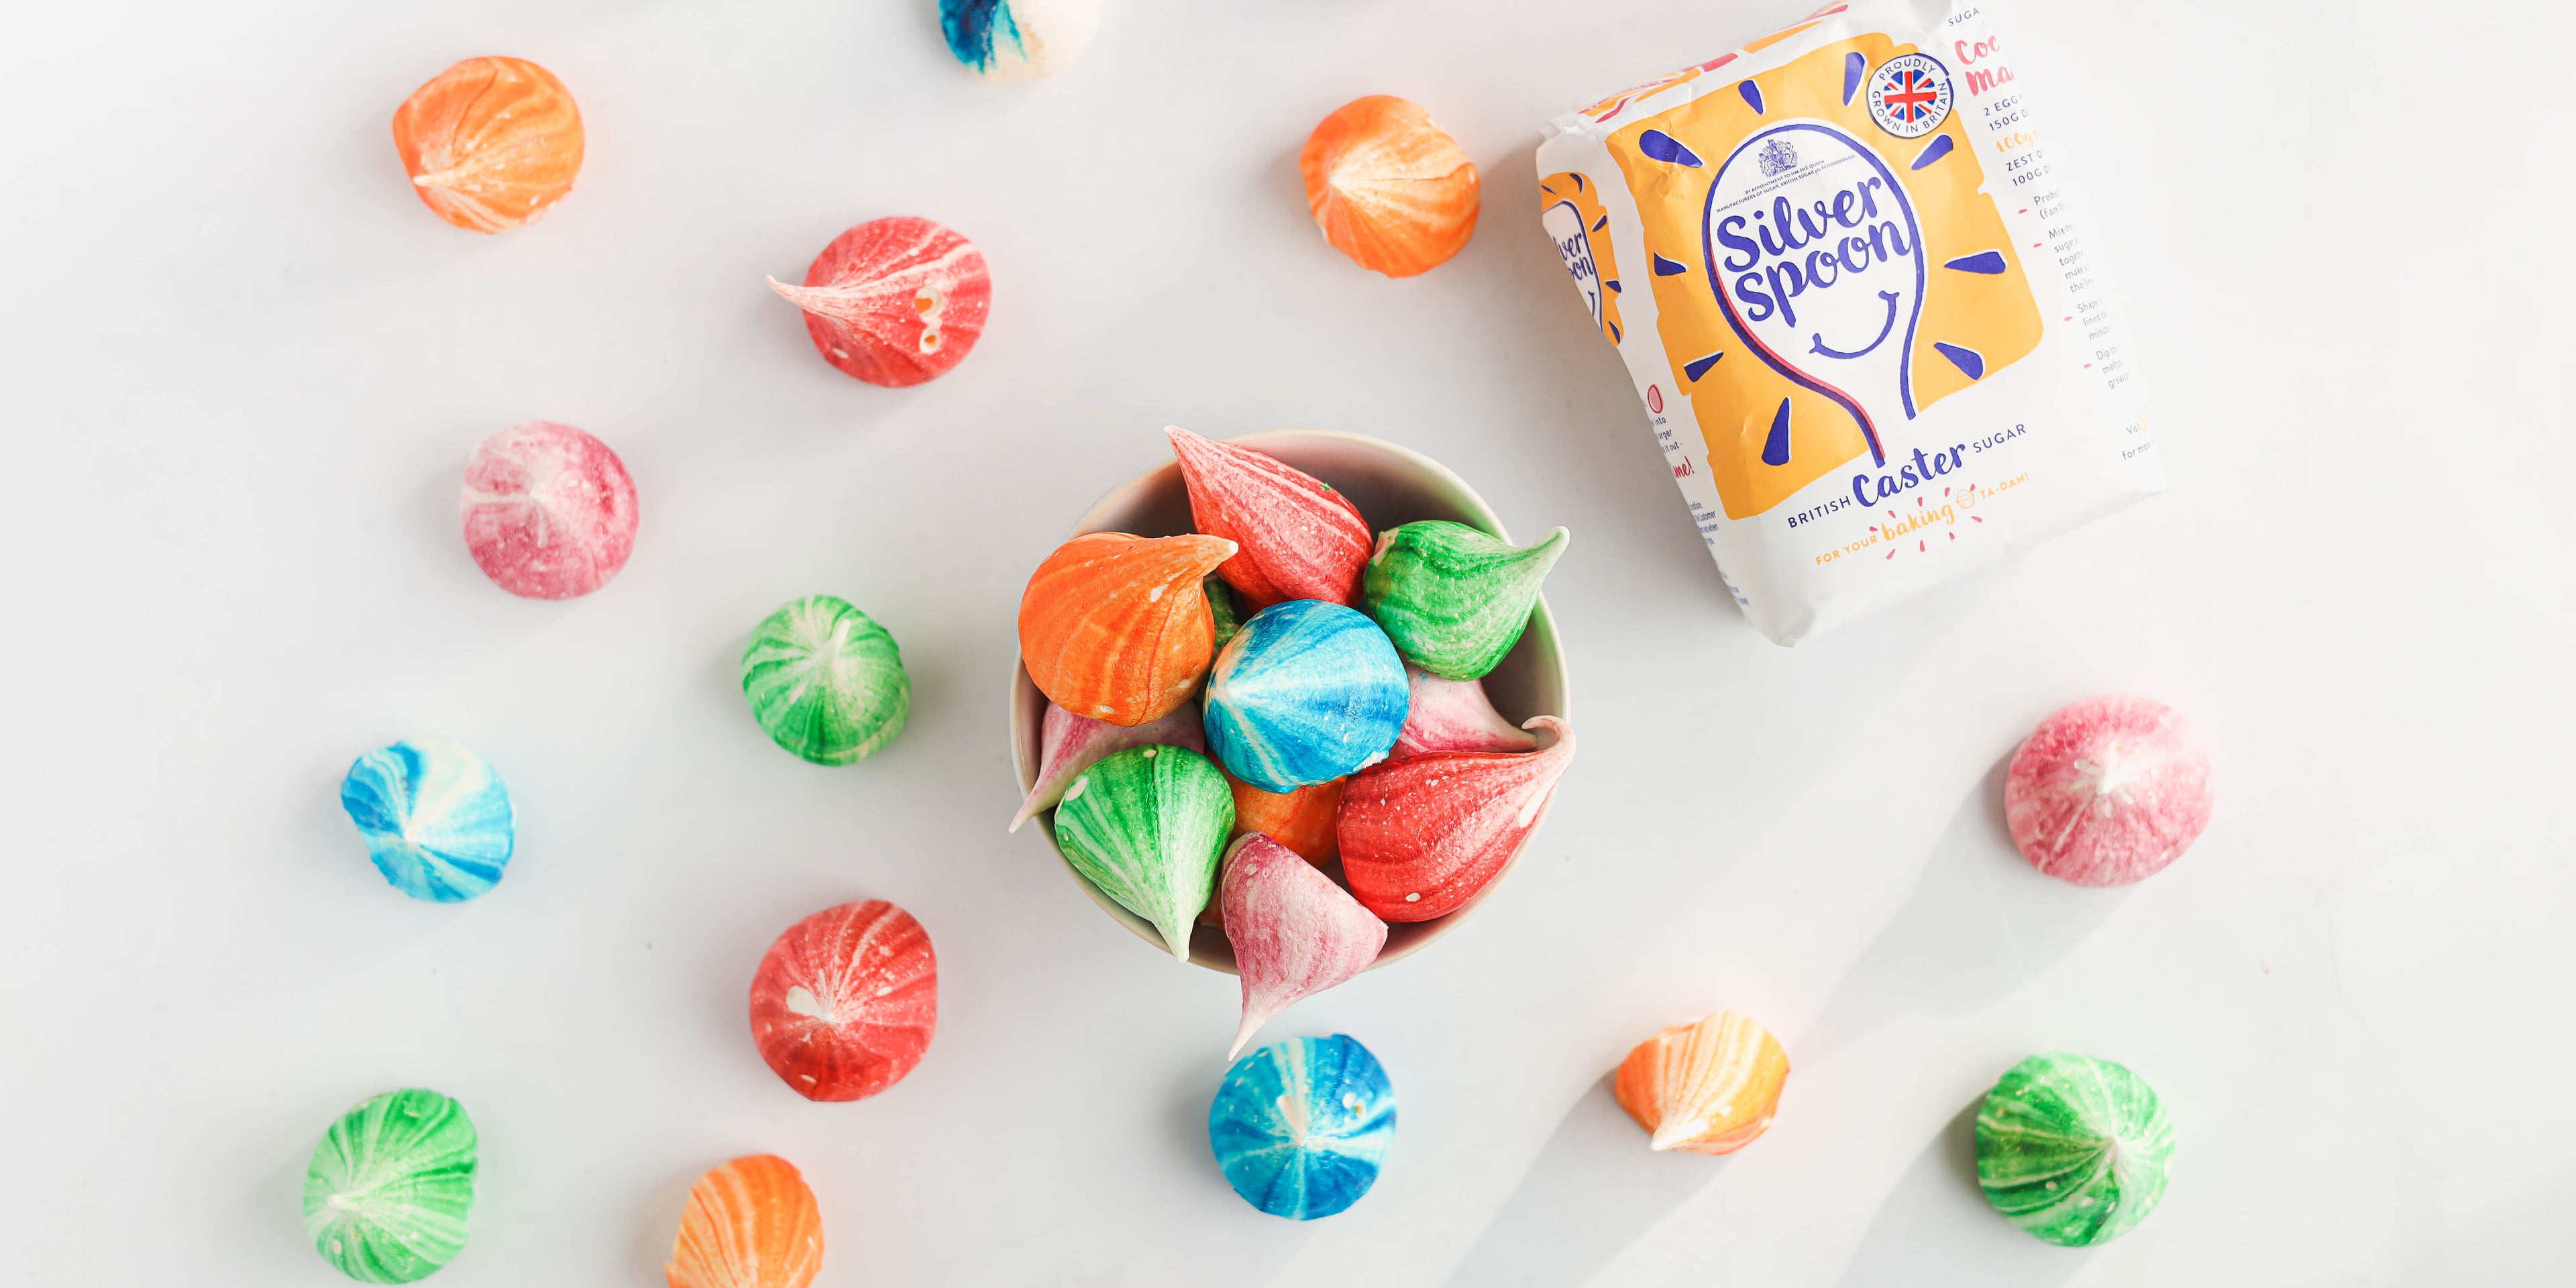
(1555, 725)
(1179, 944)
(1252, 1022)
(1557, 537)
(1231, 547)
(1019, 819)
(1664, 1141)
(796, 295)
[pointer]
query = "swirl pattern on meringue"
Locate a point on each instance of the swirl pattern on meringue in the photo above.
(490, 143)
(894, 302)
(751, 1223)
(1306, 693)
(1706, 1086)
(844, 1003)
(1452, 598)
(1302, 1127)
(438, 822)
(1298, 538)
(2108, 790)
(389, 1188)
(1389, 188)
(1007, 40)
(1116, 627)
(1424, 835)
(825, 681)
(2072, 1149)
(1146, 826)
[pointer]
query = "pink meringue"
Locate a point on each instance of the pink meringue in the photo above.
(1295, 933)
(1454, 715)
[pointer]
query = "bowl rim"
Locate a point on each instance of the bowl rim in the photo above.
(1540, 631)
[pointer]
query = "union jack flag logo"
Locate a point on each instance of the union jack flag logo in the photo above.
(1910, 96)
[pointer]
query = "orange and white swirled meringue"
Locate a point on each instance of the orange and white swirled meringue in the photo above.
(1708, 1086)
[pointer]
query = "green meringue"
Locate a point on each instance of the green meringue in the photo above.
(2073, 1149)
(826, 681)
(1453, 599)
(1223, 609)
(387, 1192)
(1146, 825)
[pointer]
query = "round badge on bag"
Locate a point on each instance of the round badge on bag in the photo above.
(1909, 95)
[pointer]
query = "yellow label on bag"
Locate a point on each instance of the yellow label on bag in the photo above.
(1819, 279)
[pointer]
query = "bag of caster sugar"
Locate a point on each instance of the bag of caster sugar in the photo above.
(1873, 344)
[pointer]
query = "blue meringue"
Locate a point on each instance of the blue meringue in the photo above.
(1306, 692)
(437, 820)
(1018, 39)
(1302, 1127)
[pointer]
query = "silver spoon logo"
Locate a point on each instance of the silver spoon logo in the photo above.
(1564, 224)
(1814, 252)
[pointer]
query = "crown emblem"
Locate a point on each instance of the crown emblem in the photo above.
(1779, 156)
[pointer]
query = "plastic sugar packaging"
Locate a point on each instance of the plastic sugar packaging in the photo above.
(1845, 275)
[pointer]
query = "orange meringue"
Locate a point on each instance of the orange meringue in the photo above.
(1389, 188)
(1708, 1086)
(751, 1223)
(491, 143)
(1116, 627)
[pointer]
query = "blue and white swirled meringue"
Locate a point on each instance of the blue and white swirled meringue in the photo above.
(437, 820)
(1017, 39)
(1306, 692)
(1302, 1127)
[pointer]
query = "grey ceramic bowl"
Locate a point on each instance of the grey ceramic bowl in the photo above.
(1391, 485)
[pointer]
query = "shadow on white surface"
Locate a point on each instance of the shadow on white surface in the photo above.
(1595, 1189)
(1935, 1228)
(279, 1189)
(1187, 1097)
(1980, 923)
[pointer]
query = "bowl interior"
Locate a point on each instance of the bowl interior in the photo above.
(1391, 485)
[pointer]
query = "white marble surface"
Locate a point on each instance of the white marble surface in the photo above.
(242, 368)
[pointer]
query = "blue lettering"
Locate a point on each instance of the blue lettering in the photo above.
(1795, 286)
(1820, 268)
(1815, 228)
(1730, 235)
(1759, 307)
(1781, 219)
(1768, 245)
(1923, 470)
(1761, 249)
